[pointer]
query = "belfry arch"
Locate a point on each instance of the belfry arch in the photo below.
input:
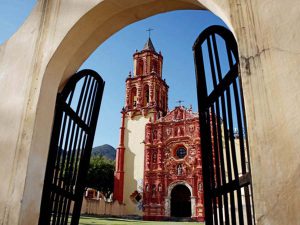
(53, 43)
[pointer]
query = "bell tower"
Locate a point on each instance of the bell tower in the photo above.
(146, 100)
(146, 91)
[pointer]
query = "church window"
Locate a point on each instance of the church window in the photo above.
(163, 102)
(146, 97)
(140, 67)
(181, 152)
(133, 97)
(138, 197)
(157, 98)
(154, 66)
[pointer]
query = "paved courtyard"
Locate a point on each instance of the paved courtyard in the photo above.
(85, 220)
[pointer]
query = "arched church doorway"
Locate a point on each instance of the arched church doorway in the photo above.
(181, 201)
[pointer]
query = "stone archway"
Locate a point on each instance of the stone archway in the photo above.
(181, 201)
(168, 200)
(60, 34)
(71, 51)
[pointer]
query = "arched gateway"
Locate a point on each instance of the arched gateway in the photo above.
(60, 34)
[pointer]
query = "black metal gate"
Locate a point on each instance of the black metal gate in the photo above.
(225, 156)
(76, 114)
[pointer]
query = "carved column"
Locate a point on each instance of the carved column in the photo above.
(139, 93)
(198, 156)
(119, 174)
(160, 163)
(159, 134)
(128, 93)
(168, 206)
(151, 93)
(147, 159)
(193, 206)
(148, 134)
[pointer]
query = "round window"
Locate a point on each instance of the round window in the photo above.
(181, 152)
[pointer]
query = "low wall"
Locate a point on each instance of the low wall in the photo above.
(96, 206)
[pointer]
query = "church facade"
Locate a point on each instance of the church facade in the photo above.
(158, 164)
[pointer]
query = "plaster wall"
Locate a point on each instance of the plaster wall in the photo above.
(134, 160)
(269, 55)
(60, 34)
(101, 208)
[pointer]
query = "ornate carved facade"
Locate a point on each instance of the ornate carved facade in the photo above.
(172, 157)
(168, 159)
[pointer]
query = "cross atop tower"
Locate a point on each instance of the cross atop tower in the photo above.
(179, 102)
(149, 30)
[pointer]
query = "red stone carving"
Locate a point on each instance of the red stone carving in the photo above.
(146, 89)
(171, 168)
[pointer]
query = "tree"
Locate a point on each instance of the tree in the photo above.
(101, 175)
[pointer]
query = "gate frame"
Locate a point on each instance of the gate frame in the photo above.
(85, 117)
(213, 183)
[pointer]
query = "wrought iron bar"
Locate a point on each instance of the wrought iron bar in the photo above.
(70, 148)
(218, 111)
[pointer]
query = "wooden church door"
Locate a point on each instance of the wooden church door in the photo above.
(225, 156)
(76, 114)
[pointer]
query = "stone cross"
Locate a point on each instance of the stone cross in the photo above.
(149, 30)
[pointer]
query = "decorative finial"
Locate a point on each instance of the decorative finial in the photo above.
(149, 30)
(179, 102)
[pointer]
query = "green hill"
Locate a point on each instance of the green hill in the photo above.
(105, 150)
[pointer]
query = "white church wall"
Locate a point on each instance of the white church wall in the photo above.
(134, 160)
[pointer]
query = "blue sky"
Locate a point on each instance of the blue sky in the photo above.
(174, 34)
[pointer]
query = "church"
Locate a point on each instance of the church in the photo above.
(158, 165)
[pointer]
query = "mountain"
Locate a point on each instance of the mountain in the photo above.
(105, 150)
